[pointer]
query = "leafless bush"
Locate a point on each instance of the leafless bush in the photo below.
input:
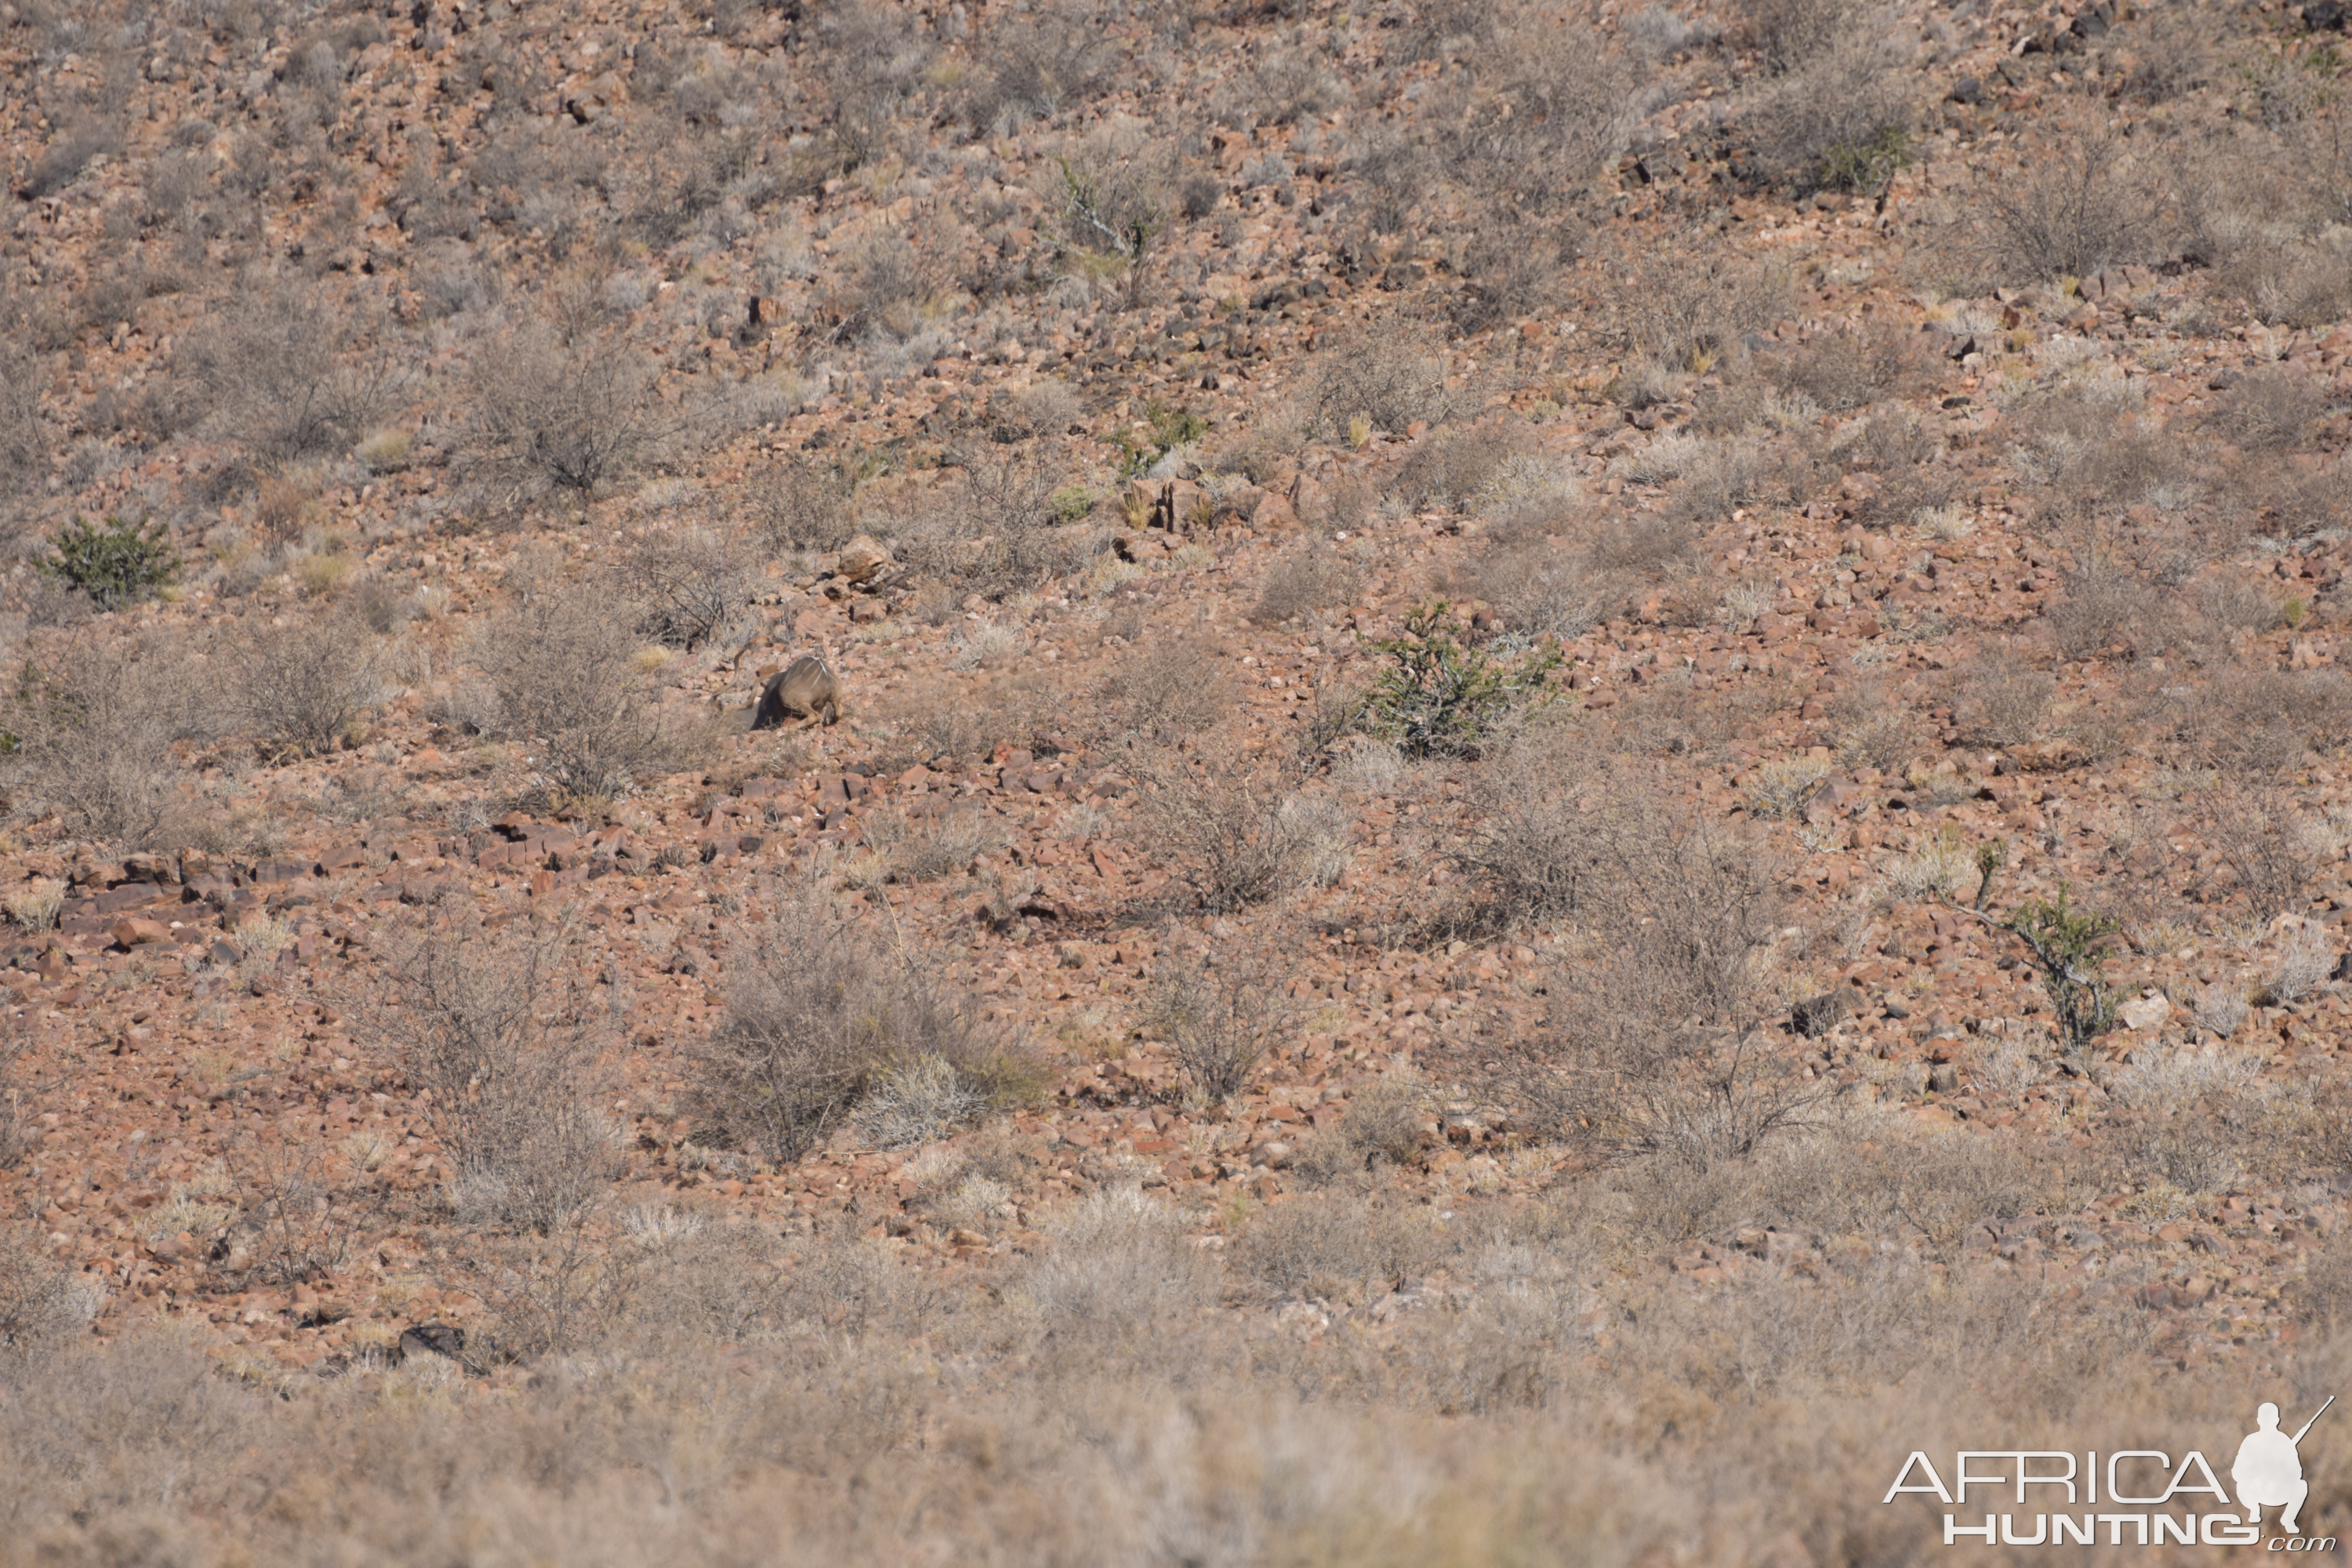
(2105, 603)
(1222, 1013)
(2306, 961)
(1841, 370)
(40, 1304)
(290, 1224)
(1307, 580)
(1659, 1045)
(1035, 66)
(1688, 313)
(1339, 1249)
(1788, 34)
(17, 1134)
(95, 724)
(288, 377)
(2234, 604)
(1510, 269)
(23, 451)
(1121, 1263)
(692, 583)
(1391, 379)
(877, 298)
(1554, 100)
(1383, 1124)
(816, 1022)
(918, 1102)
(564, 416)
(798, 505)
(304, 685)
(1839, 118)
(940, 846)
(1530, 854)
(2270, 410)
(2261, 721)
(1876, 729)
(2266, 846)
(995, 532)
(1224, 827)
(1170, 687)
(2299, 284)
(506, 1029)
(1998, 700)
(2070, 216)
(1543, 590)
(1452, 466)
(562, 674)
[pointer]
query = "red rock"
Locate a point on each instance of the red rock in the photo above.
(134, 933)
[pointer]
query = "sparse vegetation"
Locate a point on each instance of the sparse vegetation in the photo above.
(115, 561)
(1207, 1055)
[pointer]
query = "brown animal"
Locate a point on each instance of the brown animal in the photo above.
(807, 689)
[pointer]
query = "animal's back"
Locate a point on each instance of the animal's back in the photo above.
(806, 689)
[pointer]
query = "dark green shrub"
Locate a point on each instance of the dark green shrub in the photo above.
(114, 561)
(1441, 699)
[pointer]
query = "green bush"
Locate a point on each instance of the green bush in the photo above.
(114, 561)
(1441, 699)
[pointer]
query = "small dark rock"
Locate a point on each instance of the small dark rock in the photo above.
(1967, 90)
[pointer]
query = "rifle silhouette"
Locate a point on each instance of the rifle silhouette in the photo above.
(2297, 1438)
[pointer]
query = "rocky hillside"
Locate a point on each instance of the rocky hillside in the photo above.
(1568, 735)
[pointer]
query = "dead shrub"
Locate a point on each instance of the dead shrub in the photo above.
(1688, 313)
(1450, 468)
(994, 531)
(17, 1134)
(1843, 370)
(94, 722)
(1302, 581)
(1658, 1044)
(1876, 729)
(562, 673)
(564, 416)
(1170, 687)
(2105, 604)
(1530, 854)
(1392, 379)
(1121, 1264)
(1340, 1249)
(2267, 846)
(2071, 214)
(1998, 700)
(303, 686)
(1840, 118)
(939, 846)
(508, 1030)
(1032, 68)
(1383, 1124)
(286, 377)
(23, 449)
(2271, 411)
(2264, 722)
(2302, 284)
(691, 581)
(1220, 1013)
(41, 1305)
(1542, 590)
(1224, 827)
(798, 505)
(816, 1022)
